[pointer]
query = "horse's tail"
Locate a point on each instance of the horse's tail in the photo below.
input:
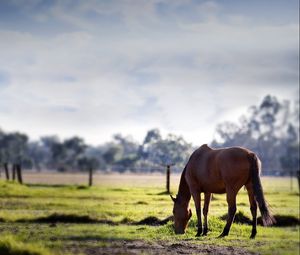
(267, 217)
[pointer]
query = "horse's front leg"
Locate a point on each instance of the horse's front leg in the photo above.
(207, 198)
(197, 200)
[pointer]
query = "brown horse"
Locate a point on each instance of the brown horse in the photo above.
(219, 171)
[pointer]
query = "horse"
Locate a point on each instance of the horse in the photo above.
(219, 171)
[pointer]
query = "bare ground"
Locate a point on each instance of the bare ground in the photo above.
(154, 248)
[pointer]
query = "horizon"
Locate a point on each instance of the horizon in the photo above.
(130, 136)
(94, 69)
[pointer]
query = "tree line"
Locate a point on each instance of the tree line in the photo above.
(73, 154)
(271, 129)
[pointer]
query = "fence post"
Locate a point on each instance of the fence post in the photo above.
(298, 178)
(6, 171)
(19, 173)
(291, 180)
(168, 178)
(90, 176)
(14, 169)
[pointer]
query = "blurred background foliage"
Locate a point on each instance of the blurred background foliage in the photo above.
(271, 129)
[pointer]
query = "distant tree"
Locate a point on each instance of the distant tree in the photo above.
(96, 153)
(74, 149)
(37, 154)
(265, 130)
(49, 146)
(85, 163)
(13, 147)
(152, 136)
(128, 146)
(290, 160)
(172, 150)
(112, 154)
(121, 153)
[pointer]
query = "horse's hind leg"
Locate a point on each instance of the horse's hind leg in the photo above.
(253, 208)
(231, 201)
(207, 197)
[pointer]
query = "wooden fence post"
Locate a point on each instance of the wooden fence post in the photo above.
(291, 180)
(168, 178)
(14, 170)
(168, 174)
(19, 173)
(298, 178)
(90, 176)
(6, 171)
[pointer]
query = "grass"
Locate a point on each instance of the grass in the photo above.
(65, 216)
(10, 246)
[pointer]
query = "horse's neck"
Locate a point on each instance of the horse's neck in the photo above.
(184, 194)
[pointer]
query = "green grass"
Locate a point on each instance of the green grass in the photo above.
(10, 246)
(67, 216)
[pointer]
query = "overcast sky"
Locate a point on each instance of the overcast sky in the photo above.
(96, 68)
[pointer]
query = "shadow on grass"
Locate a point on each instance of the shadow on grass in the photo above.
(141, 203)
(153, 221)
(95, 238)
(70, 186)
(67, 218)
(79, 219)
(54, 197)
(118, 190)
(163, 193)
(37, 185)
(281, 220)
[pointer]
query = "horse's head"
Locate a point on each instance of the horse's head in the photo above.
(181, 215)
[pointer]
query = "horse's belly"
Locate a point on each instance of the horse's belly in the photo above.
(218, 188)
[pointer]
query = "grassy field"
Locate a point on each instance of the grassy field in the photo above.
(58, 214)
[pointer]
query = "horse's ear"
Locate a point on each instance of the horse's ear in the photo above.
(190, 213)
(173, 198)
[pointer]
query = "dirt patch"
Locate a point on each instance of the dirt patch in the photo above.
(151, 248)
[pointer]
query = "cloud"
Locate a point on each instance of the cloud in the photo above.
(102, 67)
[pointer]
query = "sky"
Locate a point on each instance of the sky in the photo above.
(100, 67)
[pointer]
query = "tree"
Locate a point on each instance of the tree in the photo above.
(112, 154)
(264, 130)
(172, 150)
(74, 148)
(13, 147)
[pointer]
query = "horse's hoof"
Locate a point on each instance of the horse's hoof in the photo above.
(198, 234)
(222, 235)
(253, 234)
(204, 234)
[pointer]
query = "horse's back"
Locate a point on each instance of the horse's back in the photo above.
(213, 170)
(234, 165)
